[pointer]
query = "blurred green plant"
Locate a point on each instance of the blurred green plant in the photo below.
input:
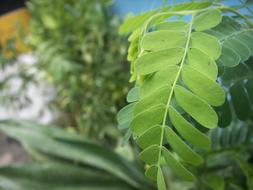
(229, 163)
(66, 161)
(78, 48)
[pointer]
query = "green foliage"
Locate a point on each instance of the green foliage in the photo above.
(238, 84)
(230, 161)
(88, 165)
(180, 71)
(78, 48)
(235, 70)
(53, 176)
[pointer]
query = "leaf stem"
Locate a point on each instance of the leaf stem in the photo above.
(173, 87)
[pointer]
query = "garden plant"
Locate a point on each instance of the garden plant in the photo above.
(189, 115)
(191, 67)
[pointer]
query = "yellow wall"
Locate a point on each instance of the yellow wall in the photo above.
(8, 27)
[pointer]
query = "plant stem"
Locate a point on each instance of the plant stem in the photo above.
(173, 87)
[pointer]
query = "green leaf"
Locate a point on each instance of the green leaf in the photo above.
(147, 119)
(191, 6)
(126, 136)
(150, 137)
(229, 57)
(160, 40)
(188, 131)
(158, 79)
(53, 176)
(225, 115)
(246, 38)
(237, 82)
(177, 168)
(227, 27)
(239, 47)
(236, 41)
(247, 169)
(150, 155)
(160, 180)
(200, 40)
(207, 19)
(133, 95)
(173, 26)
(196, 107)
(152, 100)
(151, 172)
(203, 87)
(183, 150)
(248, 86)
(125, 116)
(202, 63)
(84, 153)
(240, 101)
(135, 36)
(236, 135)
(131, 23)
(155, 61)
(133, 47)
(215, 182)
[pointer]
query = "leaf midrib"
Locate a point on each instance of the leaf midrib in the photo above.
(173, 87)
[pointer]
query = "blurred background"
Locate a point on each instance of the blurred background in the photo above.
(63, 63)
